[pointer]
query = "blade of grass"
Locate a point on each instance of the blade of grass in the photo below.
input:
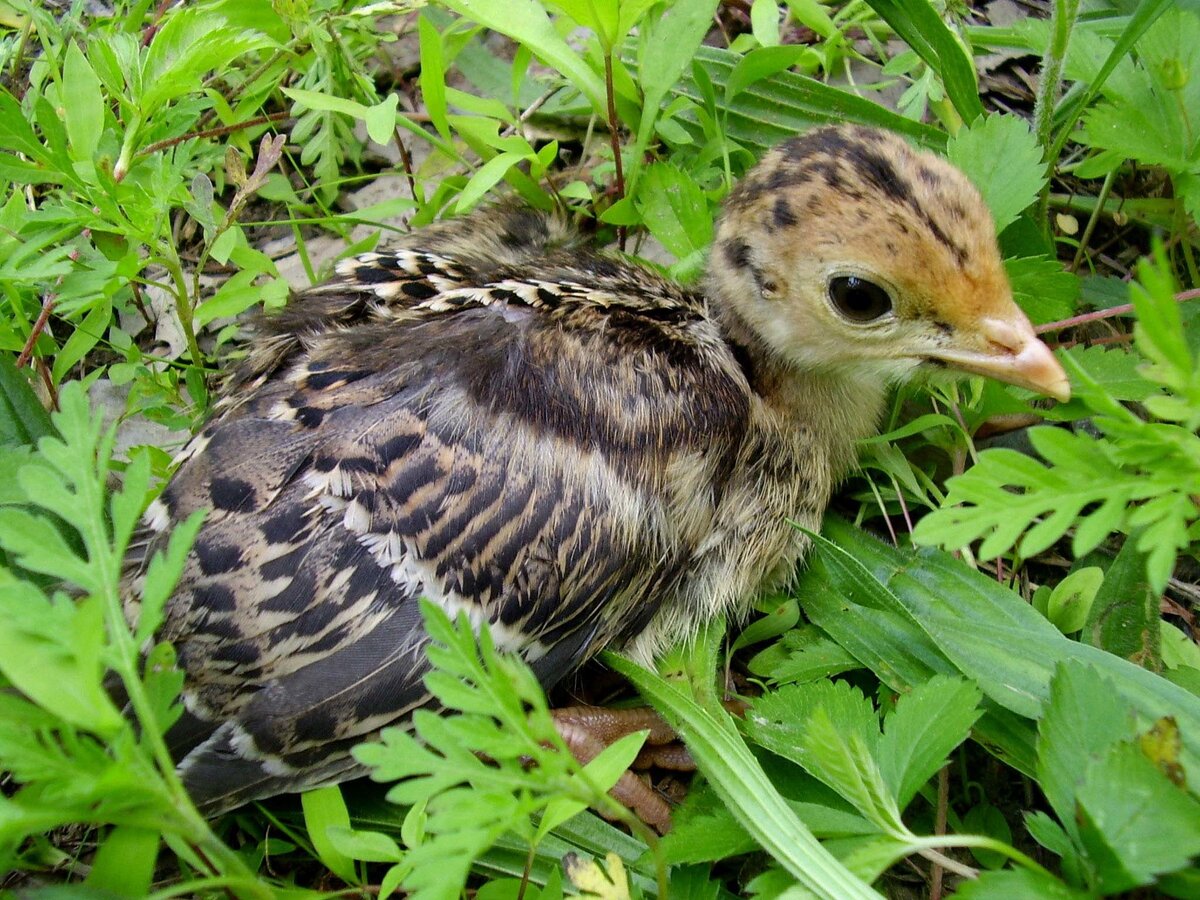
(918, 23)
(735, 774)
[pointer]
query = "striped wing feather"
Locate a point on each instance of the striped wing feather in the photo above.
(496, 439)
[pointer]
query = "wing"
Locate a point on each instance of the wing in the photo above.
(540, 455)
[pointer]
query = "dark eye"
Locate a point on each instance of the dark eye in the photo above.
(857, 299)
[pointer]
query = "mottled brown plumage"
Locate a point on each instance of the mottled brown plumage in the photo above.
(561, 443)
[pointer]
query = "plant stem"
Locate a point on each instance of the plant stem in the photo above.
(1093, 219)
(1123, 309)
(183, 303)
(939, 827)
(1182, 224)
(615, 138)
(1062, 20)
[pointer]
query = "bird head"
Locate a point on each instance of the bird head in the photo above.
(845, 249)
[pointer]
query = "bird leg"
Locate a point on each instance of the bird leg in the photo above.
(588, 730)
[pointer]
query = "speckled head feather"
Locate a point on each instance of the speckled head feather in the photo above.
(862, 203)
(560, 443)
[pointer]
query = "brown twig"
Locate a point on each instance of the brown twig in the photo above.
(48, 303)
(1123, 309)
(939, 827)
(214, 132)
(615, 138)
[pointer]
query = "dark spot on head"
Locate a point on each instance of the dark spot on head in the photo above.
(929, 176)
(878, 171)
(944, 327)
(782, 214)
(232, 494)
(737, 253)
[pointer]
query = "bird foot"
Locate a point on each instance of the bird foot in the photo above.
(588, 730)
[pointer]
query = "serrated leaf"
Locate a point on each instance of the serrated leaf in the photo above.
(844, 762)
(1084, 716)
(1001, 156)
(925, 726)
(1113, 370)
(1045, 290)
(1149, 825)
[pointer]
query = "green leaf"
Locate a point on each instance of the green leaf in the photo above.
(776, 108)
(1114, 371)
(675, 209)
(1149, 118)
(804, 654)
(918, 23)
(1084, 717)
(526, 22)
(1124, 618)
(1071, 599)
(843, 760)
(759, 64)
(740, 781)
(51, 652)
(23, 419)
(433, 75)
(369, 846)
(1001, 156)
(87, 334)
(1159, 328)
(380, 119)
(988, 632)
(16, 134)
(324, 809)
(487, 176)
(1043, 288)
(1017, 883)
(38, 544)
(926, 725)
(124, 864)
(83, 104)
(1132, 813)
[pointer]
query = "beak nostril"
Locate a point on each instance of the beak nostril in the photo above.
(1003, 336)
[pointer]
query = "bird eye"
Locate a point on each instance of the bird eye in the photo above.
(857, 299)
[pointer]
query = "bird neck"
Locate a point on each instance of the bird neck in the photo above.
(836, 408)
